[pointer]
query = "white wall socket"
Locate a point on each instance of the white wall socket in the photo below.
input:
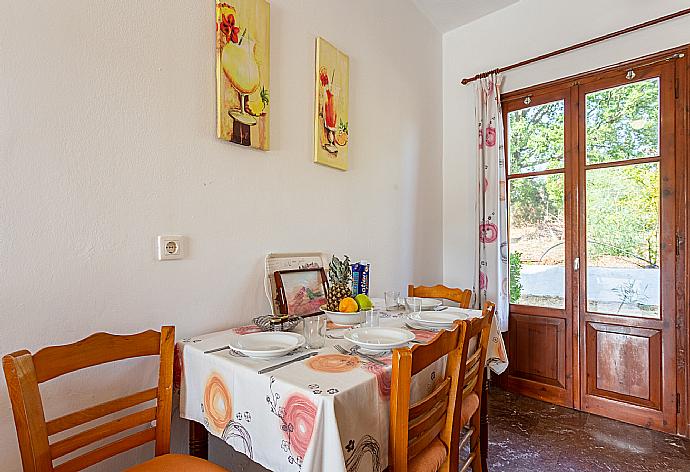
(170, 247)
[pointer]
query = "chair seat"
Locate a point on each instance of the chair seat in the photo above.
(430, 459)
(176, 463)
(469, 407)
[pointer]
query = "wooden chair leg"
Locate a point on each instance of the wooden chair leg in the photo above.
(484, 421)
(198, 440)
(475, 443)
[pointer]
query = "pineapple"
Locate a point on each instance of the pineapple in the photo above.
(340, 282)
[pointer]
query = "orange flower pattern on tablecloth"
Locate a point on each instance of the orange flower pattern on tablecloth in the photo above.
(333, 363)
(217, 403)
(299, 414)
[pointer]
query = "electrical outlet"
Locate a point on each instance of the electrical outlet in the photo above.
(170, 247)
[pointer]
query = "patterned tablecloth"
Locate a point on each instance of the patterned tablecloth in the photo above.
(328, 413)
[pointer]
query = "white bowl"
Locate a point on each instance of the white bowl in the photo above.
(344, 319)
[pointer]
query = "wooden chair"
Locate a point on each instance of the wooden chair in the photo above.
(462, 297)
(24, 372)
(421, 435)
(476, 337)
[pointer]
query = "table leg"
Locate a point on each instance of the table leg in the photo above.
(484, 421)
(198, 440)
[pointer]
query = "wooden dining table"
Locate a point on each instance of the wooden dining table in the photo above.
(325, 413)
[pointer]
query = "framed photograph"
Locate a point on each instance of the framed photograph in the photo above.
(300, 292)
(243, 71)
(331, 114)
(288, 261)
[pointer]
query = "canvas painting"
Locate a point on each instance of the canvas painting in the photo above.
(332, 100)
(243, 72)
(303, 290)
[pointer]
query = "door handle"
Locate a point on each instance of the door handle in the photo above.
(576, 264)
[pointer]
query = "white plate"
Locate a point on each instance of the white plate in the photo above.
(427, 303)
(439, 318)
(379, 339)
(414, 325)
(273, 344)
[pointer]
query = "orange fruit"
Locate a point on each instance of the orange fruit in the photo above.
(341, 138)
(348, 305)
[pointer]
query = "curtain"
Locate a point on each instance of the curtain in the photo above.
(491, 261)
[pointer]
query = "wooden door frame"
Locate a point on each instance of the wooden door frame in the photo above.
(592, 399)
(683, 229)
(682, 217)
(551, 393)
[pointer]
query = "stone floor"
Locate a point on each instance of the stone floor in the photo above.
(530, 435)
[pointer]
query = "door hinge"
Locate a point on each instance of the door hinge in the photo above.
(677, 88)
(677, 403)
(679, 242)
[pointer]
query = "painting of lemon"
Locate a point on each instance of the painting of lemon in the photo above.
(243, 72)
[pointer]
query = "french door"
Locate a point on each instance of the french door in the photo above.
(592, 244)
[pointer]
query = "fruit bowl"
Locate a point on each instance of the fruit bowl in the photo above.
(344, 319)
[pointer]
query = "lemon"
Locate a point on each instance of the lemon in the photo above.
(364, 302)
(255, 107)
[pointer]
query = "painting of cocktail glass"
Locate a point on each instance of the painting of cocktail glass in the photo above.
(332, 101)
(243, 72)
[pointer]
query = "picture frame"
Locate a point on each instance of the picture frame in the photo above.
(301, 292)
(276, 261)
(243, 72)
(331, 106)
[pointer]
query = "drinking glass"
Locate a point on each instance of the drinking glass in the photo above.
(415, 304)
(314, 331)
(392, 300)
(371, 318)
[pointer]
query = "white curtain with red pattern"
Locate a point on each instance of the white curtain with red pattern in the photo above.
(491, 261)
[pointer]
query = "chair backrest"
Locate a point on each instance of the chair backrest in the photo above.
(414, 427)
(477, 332)
(24, 372)
(462, 297)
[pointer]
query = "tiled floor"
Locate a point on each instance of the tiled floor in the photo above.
(529, 435)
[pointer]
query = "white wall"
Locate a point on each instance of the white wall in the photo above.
(520, 31)
(107, 138)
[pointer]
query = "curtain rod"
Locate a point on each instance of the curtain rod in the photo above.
(579, 45)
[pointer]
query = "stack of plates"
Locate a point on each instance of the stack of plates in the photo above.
(379, 339)
(264, 345)
(440, 319)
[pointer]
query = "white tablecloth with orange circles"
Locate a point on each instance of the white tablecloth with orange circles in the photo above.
(329, 413)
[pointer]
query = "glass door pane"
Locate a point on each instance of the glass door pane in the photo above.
(536, 138)
(536, 145)
(537, 241)
(623, 274)
(623, 122)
